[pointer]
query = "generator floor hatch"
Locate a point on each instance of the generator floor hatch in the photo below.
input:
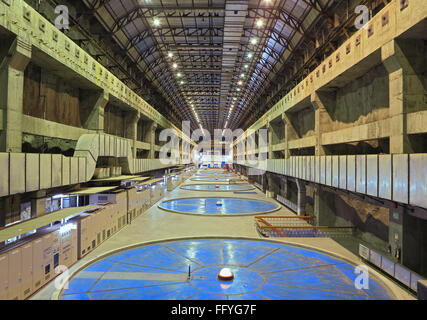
(262, 270)
(219, 187)
(209, 206)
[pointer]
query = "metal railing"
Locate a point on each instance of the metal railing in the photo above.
(297, 226)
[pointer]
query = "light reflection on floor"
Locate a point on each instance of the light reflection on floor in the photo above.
(262, 269)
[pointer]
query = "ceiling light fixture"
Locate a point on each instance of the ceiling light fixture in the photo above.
(156, 22)
(259, 23)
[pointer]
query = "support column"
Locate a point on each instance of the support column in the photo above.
(322, 101)
(3, 213)
(96, 103)
(12, 94)
(132, 128)
(324, 207)
(301, 197)
(317, 205)
(284, 187)
(169, 184)
(270, 141)
(152, 139)
(180, 158)
(290, 133)
(274, 184)
(403, 60)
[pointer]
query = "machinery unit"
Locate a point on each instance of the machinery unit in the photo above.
(28, 266)
(31, 260)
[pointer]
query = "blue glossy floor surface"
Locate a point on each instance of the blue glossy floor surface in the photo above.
(221, 187)
(213, 179)
(262, 270)
(216, 175)
(208, 205)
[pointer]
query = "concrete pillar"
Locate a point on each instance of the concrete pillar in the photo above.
(132, 128)
(12, 94)
(270, 141)
(322, 101)
(301, 197)
(284, 187)
(152, 139)
(95, 103)
(403, 60)
(3, 212)
(169, 184)
(38, 204)
(180, 158)
(422, 290)
(324, 207)
(290, 133)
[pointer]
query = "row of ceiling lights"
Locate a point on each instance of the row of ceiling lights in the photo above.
(259, 23)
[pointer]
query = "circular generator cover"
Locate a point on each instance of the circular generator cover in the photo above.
(209, 206)
(221, 187)
(217, 175)
(262, 270)
(213, 179)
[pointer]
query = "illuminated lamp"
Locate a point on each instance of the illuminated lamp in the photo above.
(225, 275)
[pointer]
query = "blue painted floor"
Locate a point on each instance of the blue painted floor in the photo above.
(216, 175)
(262, 269)
(221, 187)
(213, 179)
(208, 205)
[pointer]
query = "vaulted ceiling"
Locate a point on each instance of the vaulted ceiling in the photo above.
(212, 59)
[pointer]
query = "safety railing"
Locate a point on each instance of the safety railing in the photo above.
(297, 226)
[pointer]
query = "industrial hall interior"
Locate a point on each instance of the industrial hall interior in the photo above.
(213, 150)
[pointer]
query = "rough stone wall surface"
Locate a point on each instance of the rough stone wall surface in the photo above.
(362, 101)
(377, 146)
(365, 216)
(114, 121)
(47, 96)
(304, 122)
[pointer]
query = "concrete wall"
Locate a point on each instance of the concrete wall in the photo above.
(362, 101)
(414, 251)
(47, 96)
(355, 135)
(115, 121)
